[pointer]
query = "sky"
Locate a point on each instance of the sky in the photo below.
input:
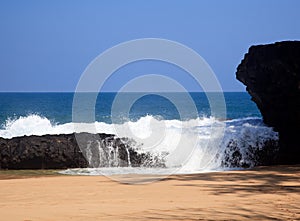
(45, 45)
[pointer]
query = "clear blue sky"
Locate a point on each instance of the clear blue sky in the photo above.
(45, 45)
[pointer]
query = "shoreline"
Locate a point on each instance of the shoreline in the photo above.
(262, 193)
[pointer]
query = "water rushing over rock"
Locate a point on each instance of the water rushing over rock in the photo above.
(246, 143)
(108, 152)
(62, 151)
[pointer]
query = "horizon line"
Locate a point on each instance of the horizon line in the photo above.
(121, 91)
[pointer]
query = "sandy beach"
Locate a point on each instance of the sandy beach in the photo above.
(266, 193)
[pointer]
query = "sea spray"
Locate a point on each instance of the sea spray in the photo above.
(245, 143)
(128, 156)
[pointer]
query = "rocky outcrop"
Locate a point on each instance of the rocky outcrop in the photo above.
(62, 151)
(272, 76)
(249, 156)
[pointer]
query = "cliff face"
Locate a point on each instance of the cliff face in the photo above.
(272, 76)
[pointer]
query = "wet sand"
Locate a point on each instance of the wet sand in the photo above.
(267, 193)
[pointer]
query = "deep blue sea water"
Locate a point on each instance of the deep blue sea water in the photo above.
(57, 107)
(171, 132)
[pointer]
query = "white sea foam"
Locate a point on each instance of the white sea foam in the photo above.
(194, 145)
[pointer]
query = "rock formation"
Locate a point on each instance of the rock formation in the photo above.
(62, 151)
(272, 76)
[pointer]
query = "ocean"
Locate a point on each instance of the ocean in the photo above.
(183, 140)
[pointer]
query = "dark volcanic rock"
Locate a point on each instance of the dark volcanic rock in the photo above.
(272, 76)
(41, 152)
(250, 156)
(62, 151)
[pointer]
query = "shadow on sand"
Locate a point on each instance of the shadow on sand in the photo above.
(280, 181)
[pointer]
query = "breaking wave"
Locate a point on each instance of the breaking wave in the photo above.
(195, 145)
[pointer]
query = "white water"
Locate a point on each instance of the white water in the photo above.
(191, 146)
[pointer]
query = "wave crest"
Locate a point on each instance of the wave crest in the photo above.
(240, 145)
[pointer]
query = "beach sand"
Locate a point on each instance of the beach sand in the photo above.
(266, 193)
